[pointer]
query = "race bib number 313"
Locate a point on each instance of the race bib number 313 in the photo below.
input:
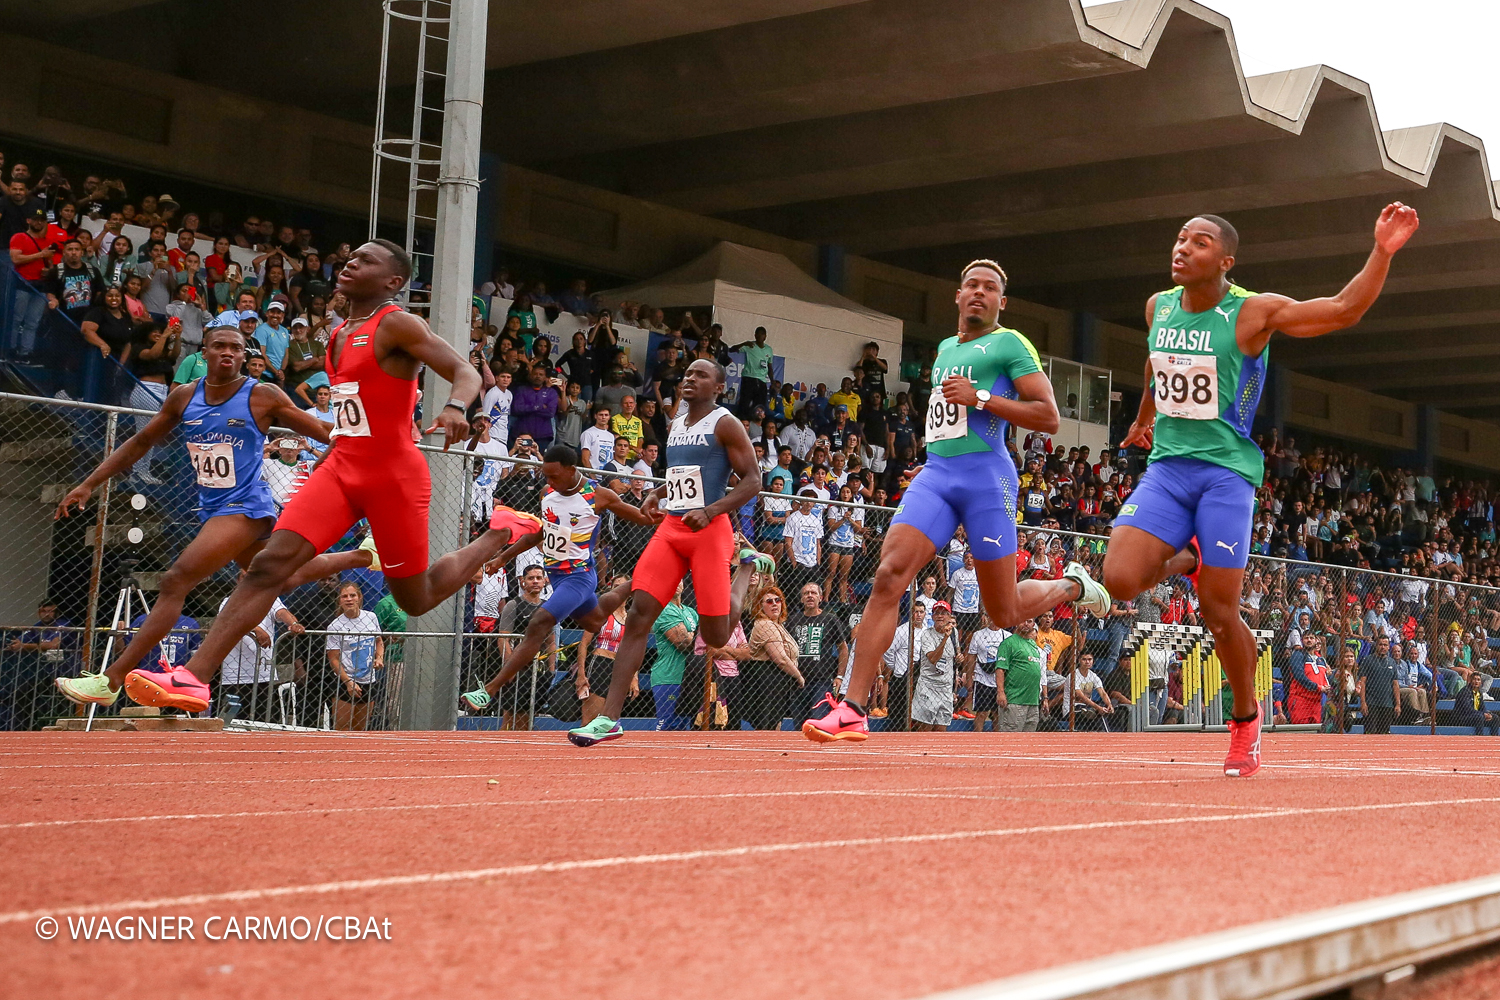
(349, 411)
(1186, 385)
(946, 421)
(684, 488)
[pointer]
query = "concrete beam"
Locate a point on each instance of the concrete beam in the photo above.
(1042, 127)
(1390, 348)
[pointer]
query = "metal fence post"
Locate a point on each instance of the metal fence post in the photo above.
(97, 565)
(911, 648)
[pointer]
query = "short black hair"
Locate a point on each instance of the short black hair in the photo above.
(1229, 237)
(400, 259)
(208, 335)
(186, 230)
(562, 455)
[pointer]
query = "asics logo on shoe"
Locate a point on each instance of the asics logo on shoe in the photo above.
(1231, 548)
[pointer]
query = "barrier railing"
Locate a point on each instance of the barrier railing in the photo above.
(132, 531)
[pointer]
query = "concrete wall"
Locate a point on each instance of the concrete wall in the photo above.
(1347, 412)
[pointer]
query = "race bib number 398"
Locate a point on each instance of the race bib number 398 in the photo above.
(213, 462)
(684, 488)
(946, 421)
(1185, 385)
(349, 411)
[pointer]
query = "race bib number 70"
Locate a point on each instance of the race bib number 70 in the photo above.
(1185, 385)
(349, 414)
(945, 421)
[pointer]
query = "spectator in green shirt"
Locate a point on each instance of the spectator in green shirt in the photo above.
(1018, 669)
(674, 630)
(755, 376)
(392, 619)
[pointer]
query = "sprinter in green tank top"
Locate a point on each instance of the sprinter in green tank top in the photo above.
(1191, 512)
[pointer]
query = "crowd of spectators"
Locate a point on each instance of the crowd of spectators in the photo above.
(835, 461)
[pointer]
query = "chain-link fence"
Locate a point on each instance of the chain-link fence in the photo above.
(80, 585)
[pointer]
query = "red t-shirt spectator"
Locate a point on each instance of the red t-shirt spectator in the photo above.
(27, 243)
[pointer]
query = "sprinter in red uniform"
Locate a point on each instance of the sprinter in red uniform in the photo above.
(372, 470)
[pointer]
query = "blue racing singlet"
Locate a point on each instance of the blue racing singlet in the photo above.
(697, 464)
(226, 445)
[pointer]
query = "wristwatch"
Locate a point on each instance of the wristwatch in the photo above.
(984, 397)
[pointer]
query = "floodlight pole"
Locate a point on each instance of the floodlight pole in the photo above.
(429, 698)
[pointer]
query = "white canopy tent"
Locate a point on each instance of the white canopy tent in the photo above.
(819, 332)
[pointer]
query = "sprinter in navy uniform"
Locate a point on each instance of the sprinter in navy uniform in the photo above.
(224, 416)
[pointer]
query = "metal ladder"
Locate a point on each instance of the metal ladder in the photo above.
(412, 148)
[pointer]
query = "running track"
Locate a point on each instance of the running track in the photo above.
(692, 865)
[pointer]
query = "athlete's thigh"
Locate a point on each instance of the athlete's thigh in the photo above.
(997, 587)
(396, 503)
(709, 552)
(573, 595)
(1163, 505)
(987, 510)
(1219, 591)
(1223, 520)
(906, 550)
(927, 507)
(661, 566)
(220, 541)
(322, 510)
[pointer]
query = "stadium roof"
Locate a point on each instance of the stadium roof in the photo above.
(1067, 142)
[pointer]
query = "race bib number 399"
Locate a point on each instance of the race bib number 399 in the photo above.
(1186, 385)
(946, 421)
(350, 418)
(684, 488)
(213, 462)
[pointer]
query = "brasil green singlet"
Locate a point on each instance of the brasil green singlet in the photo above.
(992, 362)
(1206, 389)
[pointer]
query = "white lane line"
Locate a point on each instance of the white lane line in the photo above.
(963, 792)
(753, 850)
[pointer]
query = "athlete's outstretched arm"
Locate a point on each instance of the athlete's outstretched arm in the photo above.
(284, 413)
(1313, 318)
(514, 549)
(132, 451)
(1142, 431)
(1035, 409)
(607, 499)
(412, 335)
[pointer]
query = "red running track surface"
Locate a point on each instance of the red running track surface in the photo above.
(685, 865)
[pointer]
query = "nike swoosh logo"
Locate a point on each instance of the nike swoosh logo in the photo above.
(391, 565)
(1231, 548)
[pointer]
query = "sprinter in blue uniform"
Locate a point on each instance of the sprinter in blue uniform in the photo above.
(224, 417)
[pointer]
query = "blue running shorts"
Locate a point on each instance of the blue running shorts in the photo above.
(256, 505)
(572, 594)
(977, 490)
(1178, 498)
